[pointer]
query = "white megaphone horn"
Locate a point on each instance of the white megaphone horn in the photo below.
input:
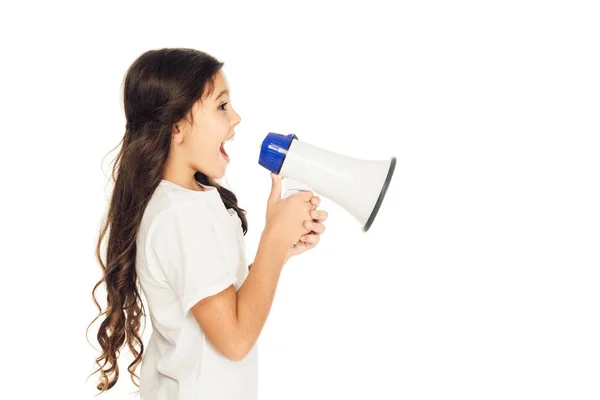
(358, 186)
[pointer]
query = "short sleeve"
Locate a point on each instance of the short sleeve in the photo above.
(187, 249)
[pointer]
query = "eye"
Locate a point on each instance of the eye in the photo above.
(222, 105)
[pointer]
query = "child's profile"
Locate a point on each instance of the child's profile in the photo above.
(174, 236)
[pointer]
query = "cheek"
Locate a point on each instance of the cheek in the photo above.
(217, 127)
(206, 143)
(224, 120)
(197, 148)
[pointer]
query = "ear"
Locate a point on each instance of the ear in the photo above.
(177, 134)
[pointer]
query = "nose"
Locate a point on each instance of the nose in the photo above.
(235, 121)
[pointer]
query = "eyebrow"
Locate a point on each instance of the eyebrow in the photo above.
(222, 93)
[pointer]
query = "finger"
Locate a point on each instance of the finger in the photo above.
(305, 195)
(314, 226)
(308, 225)
(309, 210)
(275, 194)
(310, 239)
(316, 200)
(318, 228)
(319, 215)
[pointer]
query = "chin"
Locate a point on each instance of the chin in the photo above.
(218, 174)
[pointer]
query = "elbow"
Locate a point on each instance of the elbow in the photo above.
(238, 354)
(236, 357)
(237, 350)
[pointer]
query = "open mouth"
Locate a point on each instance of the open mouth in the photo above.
(223, 152)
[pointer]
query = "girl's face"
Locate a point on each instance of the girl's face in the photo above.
(201, 145)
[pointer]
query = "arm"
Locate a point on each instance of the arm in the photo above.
(233, 321)
(287, 257)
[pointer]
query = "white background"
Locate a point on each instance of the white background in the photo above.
(478, 280)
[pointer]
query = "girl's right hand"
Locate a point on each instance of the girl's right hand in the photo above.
(286, 217)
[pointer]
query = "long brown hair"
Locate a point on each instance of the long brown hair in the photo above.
(159, 90)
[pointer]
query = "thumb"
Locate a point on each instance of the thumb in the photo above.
(275, 189)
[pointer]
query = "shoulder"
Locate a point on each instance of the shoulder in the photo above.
(168, 207)
(181, 216)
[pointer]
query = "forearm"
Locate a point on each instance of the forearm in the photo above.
(285, 260)
(255, 296)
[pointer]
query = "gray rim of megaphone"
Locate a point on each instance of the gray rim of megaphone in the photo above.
(384, 189)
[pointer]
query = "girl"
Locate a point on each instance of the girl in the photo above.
(178, 233)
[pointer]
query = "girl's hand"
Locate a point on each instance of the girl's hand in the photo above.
(310, 240)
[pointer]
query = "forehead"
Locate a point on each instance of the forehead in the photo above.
(219, 85)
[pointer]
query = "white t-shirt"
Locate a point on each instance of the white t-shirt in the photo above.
(189, 246)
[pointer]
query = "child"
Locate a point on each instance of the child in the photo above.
(178, 233)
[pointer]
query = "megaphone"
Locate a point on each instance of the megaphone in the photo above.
(358, 186)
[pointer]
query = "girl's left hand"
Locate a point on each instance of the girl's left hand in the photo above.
(310, 240)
